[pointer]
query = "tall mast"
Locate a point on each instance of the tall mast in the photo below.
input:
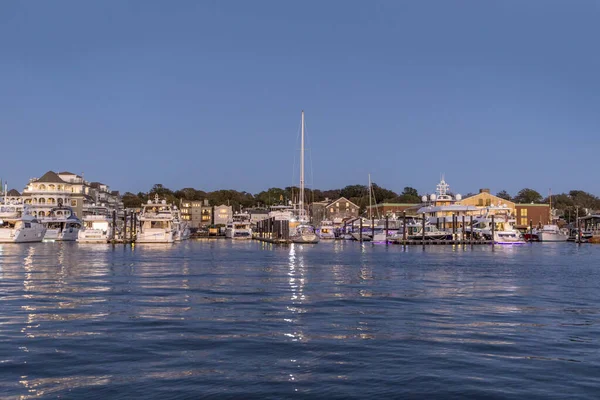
(550, 196)
(370, 189)
(301, 202)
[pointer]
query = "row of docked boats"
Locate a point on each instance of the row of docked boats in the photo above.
(158, 222)
(494, 224)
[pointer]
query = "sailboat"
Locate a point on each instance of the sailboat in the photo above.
(304, 232)
(367, 230)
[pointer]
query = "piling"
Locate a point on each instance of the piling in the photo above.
(493, 231)
(531, 230)
(360, 231)
(423, 230)
(131, 224)
(463, 227)
(404, 233)
(453, 226)
(114, 227)
(471, 235)
(124, 235)
(387, 219)
(372, 228)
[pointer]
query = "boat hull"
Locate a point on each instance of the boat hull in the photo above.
(552, 237)
(28, 235)
(93, 236)
(62, 235)
(305, 238)
(155, 236)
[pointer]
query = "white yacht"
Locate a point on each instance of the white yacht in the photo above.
(503, 232)
(303, 232)
(157, 223)
(326, 230)
(239, 227)
(96, 229)
(61, 225)
(552, 233)
(19, 226)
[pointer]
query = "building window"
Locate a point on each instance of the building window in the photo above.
(523, 221)
(488, 202)
(523, 212)
(331, 210)
(73, 202)
(480, 202)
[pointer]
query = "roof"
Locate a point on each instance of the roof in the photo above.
(341, 198)
(13, 193)
(395, 205)
(68, 173)
(51, 177)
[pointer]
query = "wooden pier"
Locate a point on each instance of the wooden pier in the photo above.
(271, 230)
(440, 242)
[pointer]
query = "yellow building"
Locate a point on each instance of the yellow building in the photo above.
(485, 199)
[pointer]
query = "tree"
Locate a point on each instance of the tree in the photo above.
(409, 191)
(353, 191)
(382, 194)
(503, 194)
(131, 200)
(528, 196)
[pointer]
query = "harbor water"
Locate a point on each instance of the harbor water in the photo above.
(224, 319)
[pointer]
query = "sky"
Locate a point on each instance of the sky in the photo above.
(208, 94)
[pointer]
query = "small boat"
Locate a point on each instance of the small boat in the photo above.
(431, 232)
(20, 226)
(326, 230)
(61, 225)
(96, 229)
(304, 233)
(239, 227)
(552, 233)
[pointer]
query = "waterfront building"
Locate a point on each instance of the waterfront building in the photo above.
(191, 211)
(393, 209)
(257, 214)
(336, 211)
(485, 199)
(222, 214)
(67, 189)
(12, 197)
(536, 214)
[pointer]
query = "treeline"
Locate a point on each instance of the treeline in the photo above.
(569, 205)
(575, 202)
(358, 194)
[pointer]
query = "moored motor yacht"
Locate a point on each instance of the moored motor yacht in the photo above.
(19, 227)
(156, 223)
(239, 227)
(96, 229)
(326, 230)
(61, 224)
(496, 224)
(552, 233)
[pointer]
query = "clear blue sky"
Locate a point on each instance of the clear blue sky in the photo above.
(500, 94)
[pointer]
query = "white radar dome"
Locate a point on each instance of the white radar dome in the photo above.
(458, 197)
(433, 197)
(424, 199)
